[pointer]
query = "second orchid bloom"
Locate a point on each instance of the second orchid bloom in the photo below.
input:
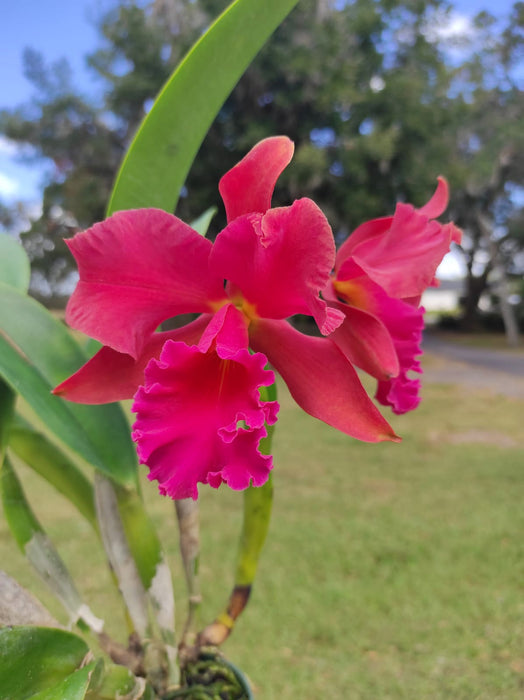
(200, 417)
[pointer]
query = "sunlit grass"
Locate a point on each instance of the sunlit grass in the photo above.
(391, 571)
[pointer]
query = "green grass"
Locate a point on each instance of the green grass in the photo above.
(390, 571)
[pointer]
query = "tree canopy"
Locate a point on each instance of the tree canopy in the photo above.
(371, 94)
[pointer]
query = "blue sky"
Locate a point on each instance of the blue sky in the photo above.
(57, 28)
(60, 28)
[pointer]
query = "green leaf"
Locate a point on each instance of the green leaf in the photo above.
(54, 466)
(18, 513)
(157, 163)
(201, 223)
(147, 552)
(39, 549)
(35, 659)
(7, 407)
(140, 533)
(14, 264)
(119, 554)
(115, 682)
(37, 353)
(137, 560)
(74, 687)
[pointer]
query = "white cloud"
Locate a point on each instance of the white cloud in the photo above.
(8, 186)
(456, 26)
(455, 33)
(13, 150)
(8, 147)
(450, 27)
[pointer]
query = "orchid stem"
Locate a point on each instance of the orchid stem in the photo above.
(257, 513)
(189, 529)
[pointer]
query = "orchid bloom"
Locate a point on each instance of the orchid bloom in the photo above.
(380, 273)
(200, 417)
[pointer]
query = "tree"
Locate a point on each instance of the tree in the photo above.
(362, 88)
(356, 92)
(84, 139)
(486, 164)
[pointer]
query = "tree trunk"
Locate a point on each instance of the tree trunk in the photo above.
(475, 287)
(511, 327)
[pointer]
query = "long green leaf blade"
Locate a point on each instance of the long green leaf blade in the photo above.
(154, 572)
(37, 353)
(24, 378)
(202, 222)
(157, 163)
(119, 554)
(47, 460)
(18, 513)
(7, 408)
(149, 557)
(14, 264)
(39, 549)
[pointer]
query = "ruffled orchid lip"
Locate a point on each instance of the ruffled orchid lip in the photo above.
(205, 395)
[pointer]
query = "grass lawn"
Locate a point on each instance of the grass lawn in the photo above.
(391, 571)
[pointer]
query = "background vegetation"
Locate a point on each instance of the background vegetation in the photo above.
(377, 97)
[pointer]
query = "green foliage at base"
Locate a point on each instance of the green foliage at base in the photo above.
(36, 660)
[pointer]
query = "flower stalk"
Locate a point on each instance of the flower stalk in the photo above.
(187, 512)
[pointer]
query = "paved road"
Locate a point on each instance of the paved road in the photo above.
(510, 361)
(500, 371)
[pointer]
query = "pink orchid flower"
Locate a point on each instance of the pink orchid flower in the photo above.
(200, 418)
(380, 274)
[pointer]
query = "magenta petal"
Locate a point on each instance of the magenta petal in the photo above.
(114, 376)
(321, 380)
(403, 260)
(248, 187)
(363, 337)
(137, 269)
(405, 324)
(401, 393)
(439, 201)
(402, 253)
(279, 262)
(227, 329)
(370, 230)
(200, 418)
(366, 342)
